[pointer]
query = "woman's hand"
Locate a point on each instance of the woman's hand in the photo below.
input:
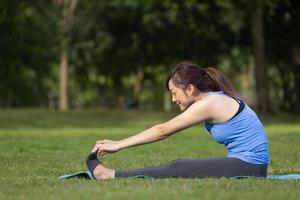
(106, 146)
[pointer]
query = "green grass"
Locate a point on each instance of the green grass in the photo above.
(36, 146)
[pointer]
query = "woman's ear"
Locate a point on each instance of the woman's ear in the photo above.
(190, 89)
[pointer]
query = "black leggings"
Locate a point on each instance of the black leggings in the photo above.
(200, 168)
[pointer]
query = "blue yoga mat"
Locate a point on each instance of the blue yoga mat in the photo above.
(81, 175)
(284, 177)
(87, 175)
(273, 177)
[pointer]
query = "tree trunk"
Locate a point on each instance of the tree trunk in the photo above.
(261, 77)
(68, 9)
(63, 82)
(137, 88)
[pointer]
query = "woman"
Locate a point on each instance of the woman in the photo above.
(203, 95)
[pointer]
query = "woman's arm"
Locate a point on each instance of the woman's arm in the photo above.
(196, 113)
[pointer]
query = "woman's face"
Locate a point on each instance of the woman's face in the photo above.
(182, 97)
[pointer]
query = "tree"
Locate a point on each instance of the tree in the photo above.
(67, 14)
(261, 70)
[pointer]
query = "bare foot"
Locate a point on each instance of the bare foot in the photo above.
(103, 173)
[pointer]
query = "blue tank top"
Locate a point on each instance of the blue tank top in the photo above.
(243, 135)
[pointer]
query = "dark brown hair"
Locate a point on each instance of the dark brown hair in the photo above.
(205, 79)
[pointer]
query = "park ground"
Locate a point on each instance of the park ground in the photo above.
(37, 146)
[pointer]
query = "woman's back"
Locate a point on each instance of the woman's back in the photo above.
(243, 134)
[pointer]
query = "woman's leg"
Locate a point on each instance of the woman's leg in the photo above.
(200, 168)
(189, 168)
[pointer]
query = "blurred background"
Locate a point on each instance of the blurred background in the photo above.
(77, 54)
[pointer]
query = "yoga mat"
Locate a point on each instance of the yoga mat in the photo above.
(87, 175)
(284, 177)
(80, 175)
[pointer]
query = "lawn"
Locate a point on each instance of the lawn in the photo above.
(37, 146)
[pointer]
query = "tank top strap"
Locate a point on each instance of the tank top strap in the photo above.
(215, 92)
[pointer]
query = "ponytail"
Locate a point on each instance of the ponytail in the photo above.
(221, 82)
(205, 79)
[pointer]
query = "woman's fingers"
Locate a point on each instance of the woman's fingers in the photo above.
(98, 147)
(105, 146)
(101, 149)
(95, 148)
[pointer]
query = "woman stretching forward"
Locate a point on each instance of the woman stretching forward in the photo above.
(203, 95)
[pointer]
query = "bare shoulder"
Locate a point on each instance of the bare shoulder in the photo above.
(205, 107)
(196, 113)
(218, 99)
(209, 101)
(220, 107)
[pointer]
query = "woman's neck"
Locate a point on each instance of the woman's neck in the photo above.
(199, 96)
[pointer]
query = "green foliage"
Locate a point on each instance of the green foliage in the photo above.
(283, 28)
(151, 35)
(110, 41)
(26, 47)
